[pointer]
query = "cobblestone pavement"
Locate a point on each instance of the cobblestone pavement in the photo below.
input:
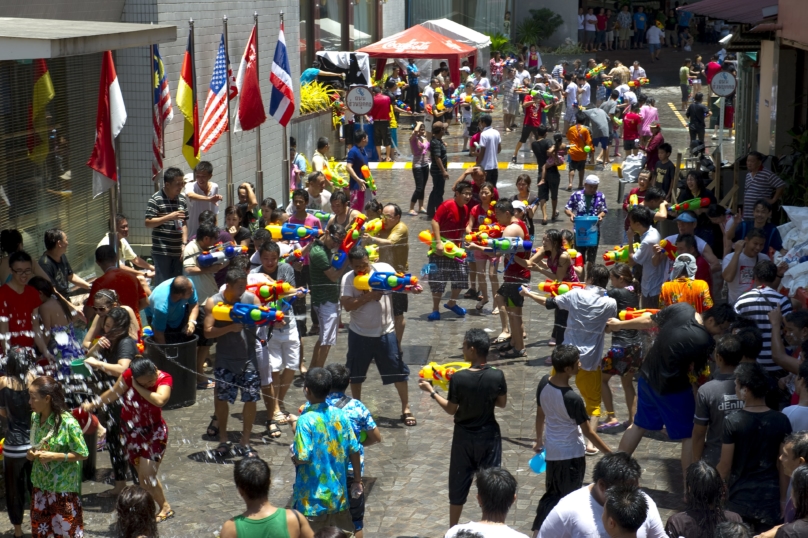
(407, 473)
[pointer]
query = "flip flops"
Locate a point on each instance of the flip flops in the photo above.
(164, 517)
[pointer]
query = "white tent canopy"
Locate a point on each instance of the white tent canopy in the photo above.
(465, 35)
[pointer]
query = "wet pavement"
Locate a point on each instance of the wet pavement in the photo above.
(406, 475)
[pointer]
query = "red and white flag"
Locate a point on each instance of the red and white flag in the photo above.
(250, 108)
(109, 121)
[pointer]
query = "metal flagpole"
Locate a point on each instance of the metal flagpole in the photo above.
(113, 201)
(230, 193)
(286, 171)
(259, 173)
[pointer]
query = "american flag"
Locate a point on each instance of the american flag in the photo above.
(282, 101)
(161, 110)
(214, 120)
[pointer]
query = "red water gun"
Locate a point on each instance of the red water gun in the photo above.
(554, 287)
(269, 293)
(630, 313)
(352, 237)
(670, 249)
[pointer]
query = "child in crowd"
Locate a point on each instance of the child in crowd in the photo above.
(483, 263)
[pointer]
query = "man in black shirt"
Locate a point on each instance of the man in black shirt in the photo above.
(473, 394)
(697, 115)
(54, 263)
(665, 170)
(548, 183)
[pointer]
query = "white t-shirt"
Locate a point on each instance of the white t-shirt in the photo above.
(652, 276)
(429, 95)
(631, 97)
(639, 72)
(490, 140)
(373, 319)
(622, 89)
(521, 76)
(484, 83)
(321, 202)
(581, 21)
(485, 530)
(591, 21)
(125, 252)
(586, 97)
(572, 94)
(744, 279)
(578, 515)
(196, 207)
(654, 34)
(797, 416)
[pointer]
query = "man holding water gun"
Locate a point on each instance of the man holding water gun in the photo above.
(357, 158)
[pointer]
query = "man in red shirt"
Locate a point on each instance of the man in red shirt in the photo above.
(130, 292)
(17, 303)
(449, 223)
(381, 124)
(712, 68)
(533, 107)
(631, 129)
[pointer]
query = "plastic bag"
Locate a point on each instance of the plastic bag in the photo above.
(632, 165)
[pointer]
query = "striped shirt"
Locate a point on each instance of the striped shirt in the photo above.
(761, 185)
(756, 305)
(167, 237)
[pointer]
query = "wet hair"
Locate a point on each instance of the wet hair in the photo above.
(10, 240)
(642, 216)
(106, 295)
(269, 246)
(799, 489)
(765, 272)
(463, 185)
(336, 230)
(172, 174)
(504, 205)
(565, 356)
(234, 275)
(303, 193)
(689, 241)
(318, 381)
(720, 313)
(599, 274)
(730, 348)
(207, 231)
(44, 286)
(751, 340)
(341, 197)
(799, 443)
(653, 194)
(704, 496)
(627, 506)
(313, 177)
(396, 208)
(555, 238)
(568, 237)
(752, 377)
(105, 254)
(276, 215)
(497, 490)
(755, 233)
(47, 386)
(732, 529)
(52, 237)
(478, 340)
(617, 468)
(340, 377)
(141, 366)
(357, 253)
(373, 205)
(120, 330)
(252, 476)
(261, 234)
(204, 167)
(207, 217)
(18, 363)
(137, 512)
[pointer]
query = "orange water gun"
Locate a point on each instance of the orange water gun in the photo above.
(450, 249)
(669, 248)
(642, 81)
(352, 236)
(368, 177)
(484, 233)
(554, 287)
(631, 313)
(269, 293)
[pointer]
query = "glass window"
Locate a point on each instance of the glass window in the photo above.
(332, 17)
(305, 34)
(364, 23)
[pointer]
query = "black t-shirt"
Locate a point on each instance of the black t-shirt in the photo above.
(18, 411)
(242, 234)
(625, 299)
(664, 178)
(475, 392)
(59, 272)
(797, 529)
(681, 342)
(754, 487)
(437, 151)
(540, 148)
(689, 524)
(697, 114)
(125, 349)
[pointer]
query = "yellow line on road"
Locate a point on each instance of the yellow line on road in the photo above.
(678, 114)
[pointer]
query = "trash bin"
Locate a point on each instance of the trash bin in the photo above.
(179, 360)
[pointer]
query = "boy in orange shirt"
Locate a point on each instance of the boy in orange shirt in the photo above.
(580, 138)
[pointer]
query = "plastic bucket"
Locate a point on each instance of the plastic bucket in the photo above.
(179, 360)
(586, 232)
(78, 367)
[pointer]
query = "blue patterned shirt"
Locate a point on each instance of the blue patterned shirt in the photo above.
(324, 439)
(577, 204)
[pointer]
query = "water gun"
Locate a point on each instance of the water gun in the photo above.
(670, 249)
(692, 205)
(587, 149)
(642, 81)
(335, 179)
(293, 232)
(269, 293)
(381, 281)
(576, 257)
(322, 217)
(373, 253)
(220, 254)
(608, 83)
(368, 178)
(595, 70)
(248, 314)
(427, 108)
(450, 250)
(633, 200)
(352, 237)
(374, 226)
(554, 287)
(484, 233)
(440, 374)
(402, 105)
(148, 332)
(439, 104)
(631, 313)
(619, 254)
(509, 245)
(293, 256)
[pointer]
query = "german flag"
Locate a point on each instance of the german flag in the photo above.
(37, 141)
(186, 102)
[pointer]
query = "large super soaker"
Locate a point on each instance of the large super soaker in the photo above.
(692, 205)
(269, 293)
(293, 232)
(248, 314)
(385, 281)
(450, 249)
(484, 234)
(642, 81)
(631, 313)
(352, 237)
(595, 70)
(669, 248)
(509, 245)
(335, 179)
(220, 254)
(440, 374)
(321, 216)
(619, 254)
(554, 287)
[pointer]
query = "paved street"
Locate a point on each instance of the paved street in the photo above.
(407, 473)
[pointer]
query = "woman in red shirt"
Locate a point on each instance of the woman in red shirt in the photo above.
(479, 214)
(144, 390)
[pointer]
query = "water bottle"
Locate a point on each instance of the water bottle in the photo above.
(538, 463)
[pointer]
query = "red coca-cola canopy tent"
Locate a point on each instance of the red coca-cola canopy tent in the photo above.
(423, 43)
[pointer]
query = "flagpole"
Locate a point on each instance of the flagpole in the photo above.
(286, 171)
(259, 173)
(230, 194)
(113, 201)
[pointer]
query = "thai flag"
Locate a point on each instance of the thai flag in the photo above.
(282, 101)
(214, 120)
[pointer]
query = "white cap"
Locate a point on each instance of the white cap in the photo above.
(592, 179)
(466, 69)
(518, 204)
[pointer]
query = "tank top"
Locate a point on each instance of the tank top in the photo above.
(18, 411)
(515, 272)
(235, 352)
(552, 264)
(273, 526)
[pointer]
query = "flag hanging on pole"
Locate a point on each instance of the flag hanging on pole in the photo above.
(109, 121)
(282, 101)
(186, 102)
(250, 108)
(162, 112)
(37, 141)
(215, 118)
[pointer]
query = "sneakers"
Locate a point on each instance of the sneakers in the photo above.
(457, 309)
(434, 316)
(714, 137)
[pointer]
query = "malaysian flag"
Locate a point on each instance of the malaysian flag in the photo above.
(282, 101)
(162, 112)
(214, 120)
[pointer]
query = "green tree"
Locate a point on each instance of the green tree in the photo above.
(541, 24)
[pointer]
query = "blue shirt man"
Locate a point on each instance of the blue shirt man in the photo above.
(357, 158)
(412, 72)
(172, 303)
(639, 20)
(309, 75)
(684, 19)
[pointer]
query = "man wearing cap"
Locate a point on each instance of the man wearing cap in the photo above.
(588, 202)
(686, 222)
(490, 147)
(580, 138)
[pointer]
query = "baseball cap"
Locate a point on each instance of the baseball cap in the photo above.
(518, 204)
(466, 69)
(687, 216)
(592, 179)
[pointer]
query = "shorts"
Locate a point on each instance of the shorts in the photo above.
(602, 141)
(622, 359)
(549, 189)
(362, 350)
(673, 411)
(492, 176)
(652, 47)
(429, 119)
(381, 133)
(569, 115)
(282, 352)
(510, 292)
(199, 331)
(340, 520)
(511, 108)
(562, 478)
(448, 270)
(328, 315)
(228, 384)
(685, 91)
(357, 508)
(527, 130)
(474, 127)
(629, 145)
(578, 166)
(147, 443)
(401, 303)
(589, 385)
(624, 33)
(349, 132)
(470, 452)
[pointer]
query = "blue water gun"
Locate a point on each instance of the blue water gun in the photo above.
(509, 245)
(293, 232)
(220, 254)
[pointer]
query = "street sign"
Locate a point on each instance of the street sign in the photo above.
(723, 84)
(359, 100)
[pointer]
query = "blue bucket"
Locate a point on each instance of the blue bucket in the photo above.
(586, 232)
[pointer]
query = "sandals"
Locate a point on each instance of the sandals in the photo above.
(413, 213)
(281, 418)
(245, 451)
(167, 515)
(513, 354)
(212, 431)
(273, 432)
(501, 340)
(480, 304)
(408, 419)
(544, 222)
(591, 452)
(555, 216)
(471, 294)
(608, 425)
(223, 450)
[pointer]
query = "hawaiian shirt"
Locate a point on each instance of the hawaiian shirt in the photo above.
(577, 204)
(58, 477)
(360, 417)
(324, 439)
(495, 67)
(686, 290)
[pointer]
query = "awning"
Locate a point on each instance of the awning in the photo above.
(743, 11)
(25, 39)
(463, 34)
